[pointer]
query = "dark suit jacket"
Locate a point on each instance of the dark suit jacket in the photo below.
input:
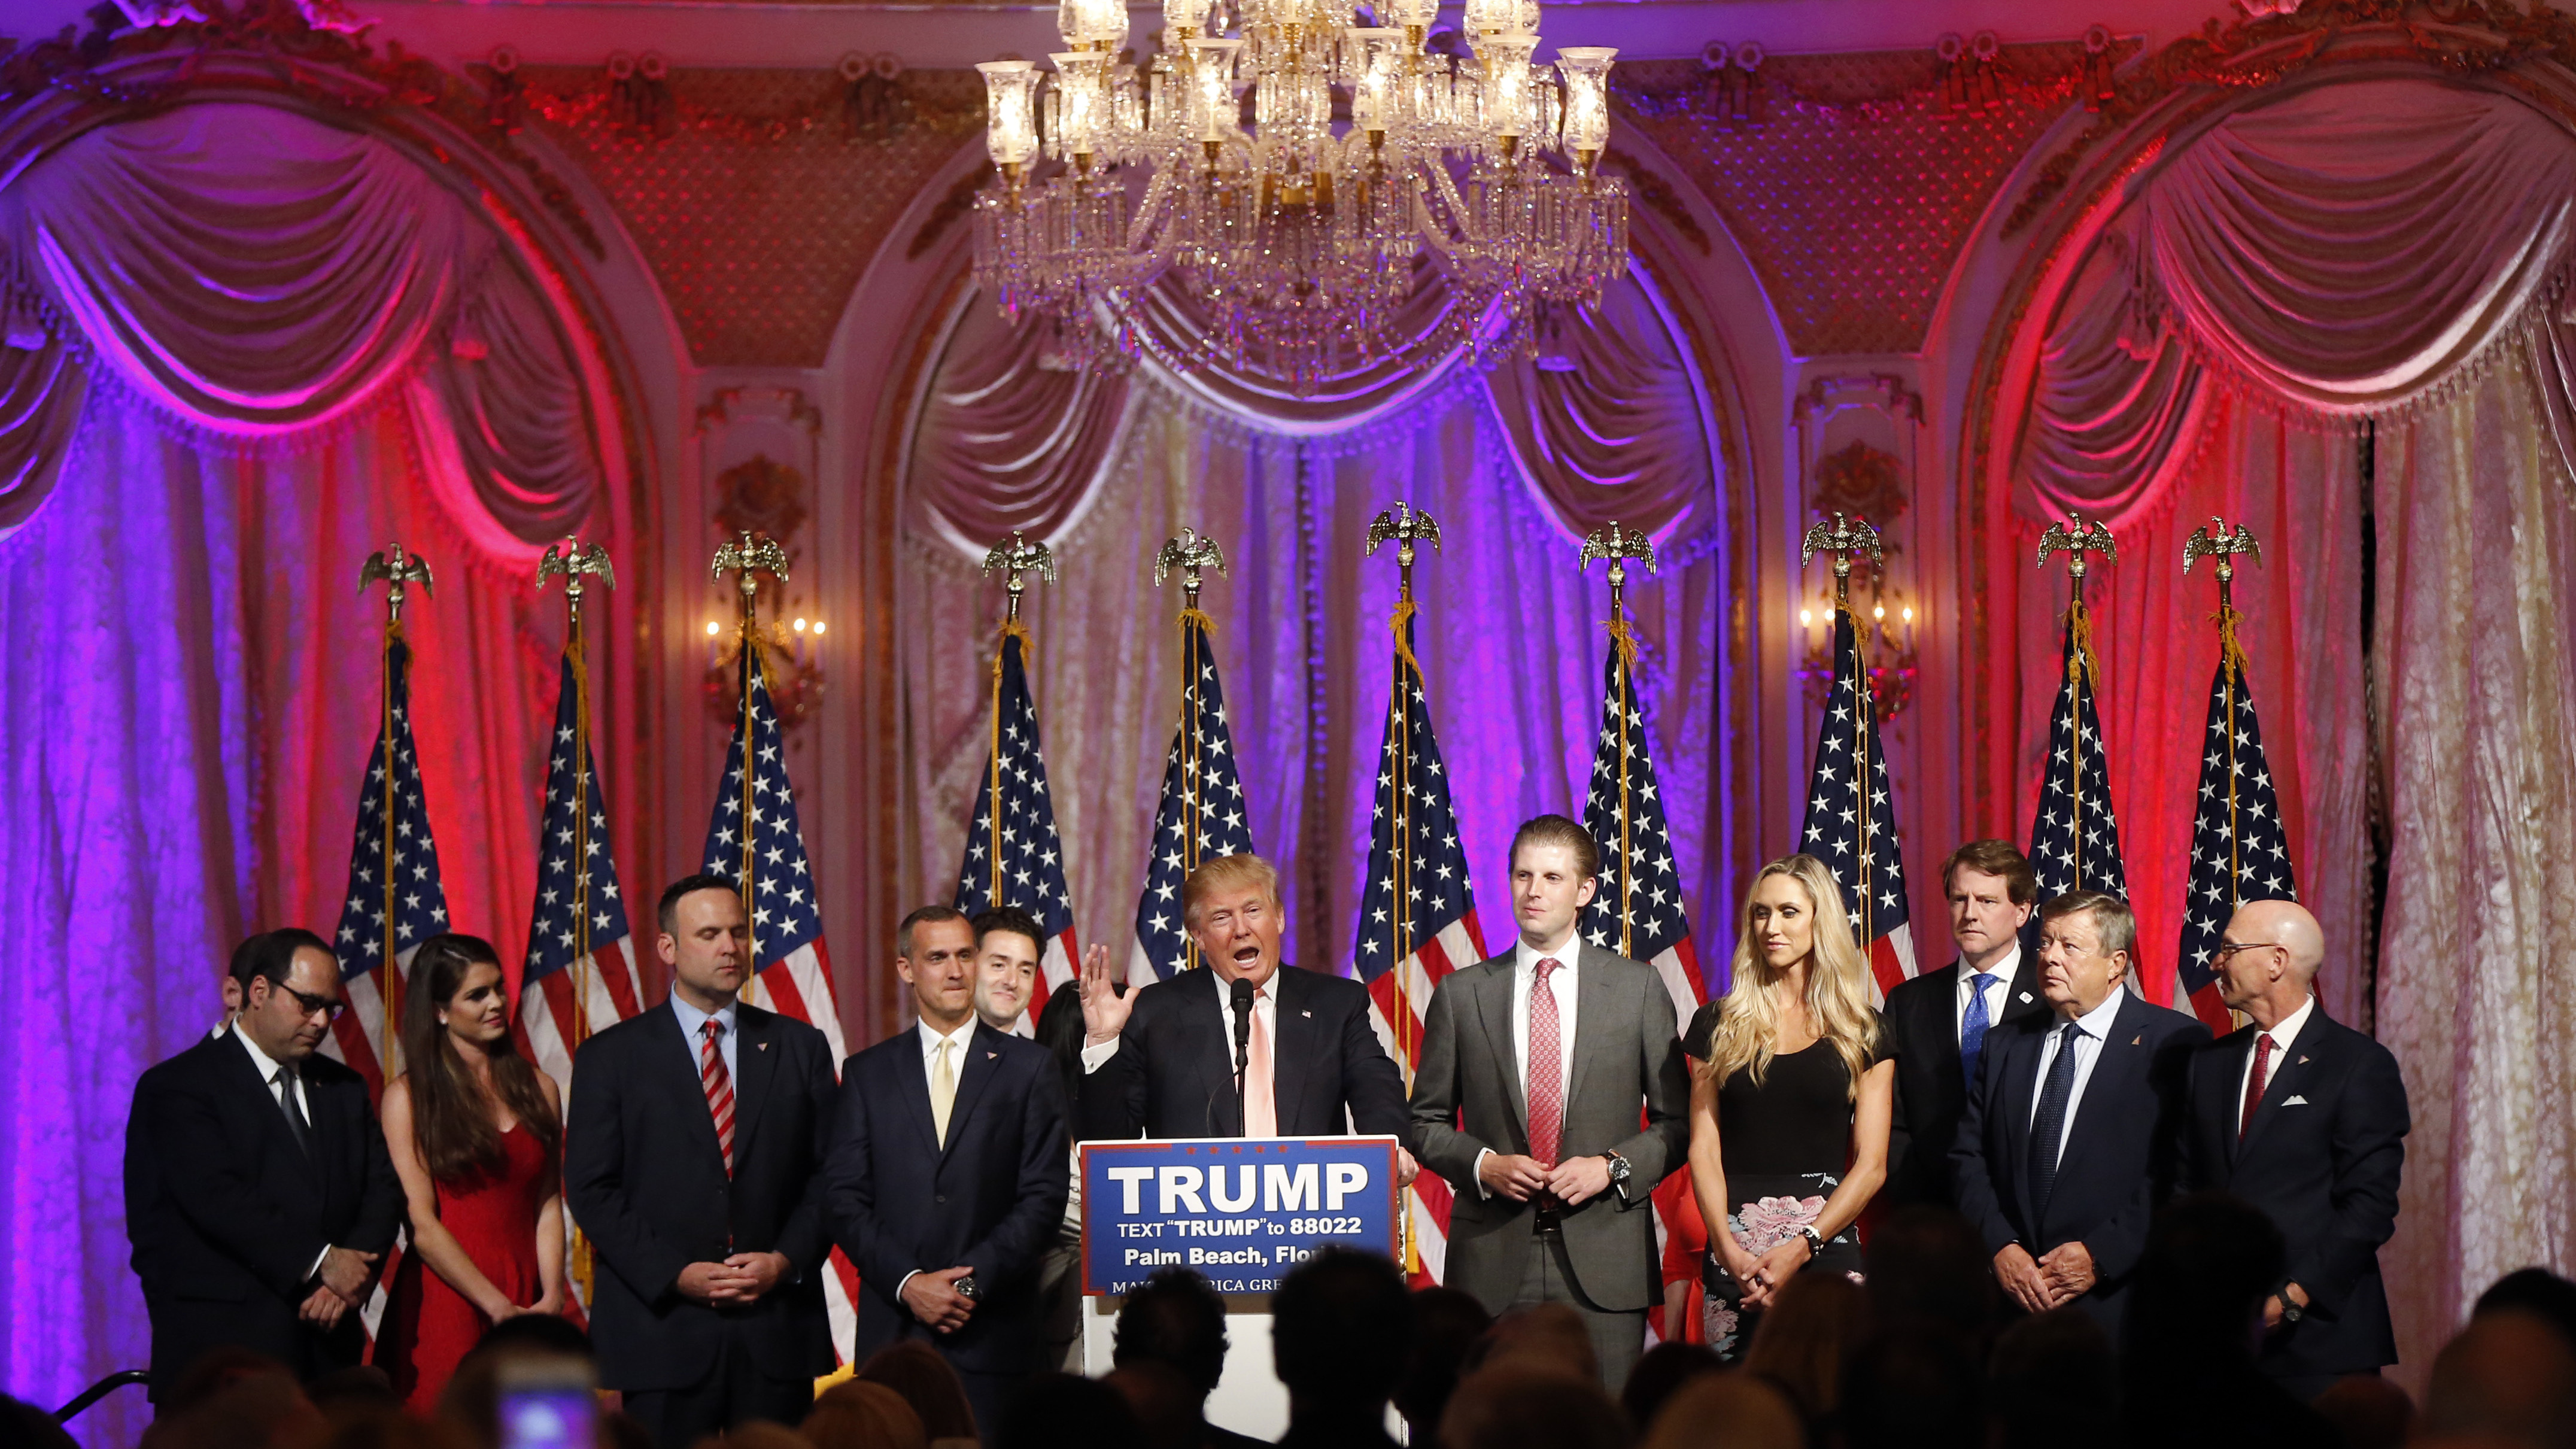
(227, 1215)
(1173, 1072)
(2116, 1166)
(1922, 1024)
(646, 1181)
(990, 1200)
(1468, 1098)
(2322, 1157)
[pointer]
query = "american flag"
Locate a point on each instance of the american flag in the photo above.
(1417, 909)
(395, 901)
(754, 841)
(1202, 814)
(1851, 819)
(580, 975)
(1013, 855)
(2239, 850)
(2075, 837)
(1637, 911)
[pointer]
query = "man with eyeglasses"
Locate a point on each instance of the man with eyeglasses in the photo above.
(2306, 1119)
(258, 1192)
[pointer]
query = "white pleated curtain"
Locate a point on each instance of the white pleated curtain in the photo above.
(2391, 253)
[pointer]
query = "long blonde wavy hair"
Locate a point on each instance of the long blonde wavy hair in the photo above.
(1748, 1019)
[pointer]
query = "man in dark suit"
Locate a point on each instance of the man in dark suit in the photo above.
(947, 1173)
(693, 1160)
(1160, 1062)
(258, 1193)
(1535, 1067)
(2065, 1149)
(1938, 1021)
(2306, 1119)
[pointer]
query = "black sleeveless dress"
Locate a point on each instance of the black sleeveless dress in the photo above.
(1786, 1144)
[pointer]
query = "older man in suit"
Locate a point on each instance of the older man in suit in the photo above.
(947, 1172)
(2065, 1149)
(1938, 1022)
(1247, 1047)
(1537, 1067)
(693, 1160)
(2306, 1119)
(258, 1192)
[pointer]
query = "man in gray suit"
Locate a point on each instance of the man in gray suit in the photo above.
(1534, 1066)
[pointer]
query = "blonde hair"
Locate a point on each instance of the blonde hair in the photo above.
(1223, 873)
(1748, 1018)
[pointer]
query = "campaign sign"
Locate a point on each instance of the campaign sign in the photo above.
(1240, 1211)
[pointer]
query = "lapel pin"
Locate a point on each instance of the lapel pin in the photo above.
(2138, 1040)
(2025, 996)
(988, 1056)
(764, 1046)
(2303, 1061)
(1309, 1013)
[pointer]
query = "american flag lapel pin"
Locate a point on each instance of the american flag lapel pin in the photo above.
(2303, 1061)
(988, 1056)
(764, 1046)
(2139, 1040)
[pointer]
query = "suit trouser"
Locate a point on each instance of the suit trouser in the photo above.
(735, 1391)
(1618, 1338)
(1060, 1300)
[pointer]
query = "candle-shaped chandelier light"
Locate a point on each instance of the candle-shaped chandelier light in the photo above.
(1296, 240)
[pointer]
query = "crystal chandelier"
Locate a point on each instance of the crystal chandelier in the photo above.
(1292, 244)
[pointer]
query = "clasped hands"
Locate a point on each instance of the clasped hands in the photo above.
(737, 1282)
(934, 1299)
(341, 1283)
(2039, 1284)
(1520, 1178)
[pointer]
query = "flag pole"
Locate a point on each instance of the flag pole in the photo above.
(397, 569)
(1016, 560)
(1406, 525)
(574, 561)
(2080, 663)
(1190, 551)
(747, 554)
(1617, 545)
(1843, 540)
(2222, 546)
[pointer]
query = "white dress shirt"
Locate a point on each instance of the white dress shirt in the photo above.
(280, 1082)
(1560, 985)
(692, 1019)
(2283, 1032)
(2090, 1030)
(1998, 992)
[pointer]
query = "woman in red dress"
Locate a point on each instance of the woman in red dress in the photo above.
(474, 1130)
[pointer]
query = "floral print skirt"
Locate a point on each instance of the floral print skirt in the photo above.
(1768, 1212)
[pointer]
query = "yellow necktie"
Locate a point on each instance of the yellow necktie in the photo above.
(943, 1091)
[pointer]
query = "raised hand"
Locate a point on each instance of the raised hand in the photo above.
(1104, 1011)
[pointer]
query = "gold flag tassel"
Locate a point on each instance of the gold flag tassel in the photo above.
(1405, 526)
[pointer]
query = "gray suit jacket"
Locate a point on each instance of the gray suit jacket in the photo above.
(1468, 1098)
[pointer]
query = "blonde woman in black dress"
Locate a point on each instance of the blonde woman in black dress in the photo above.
(1791, 1103)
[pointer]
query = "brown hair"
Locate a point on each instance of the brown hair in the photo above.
(2112, 918)
(915, 1370)
(858, 1414)
(451, 1119)
(1240, 869)
(1557, 830)
(1995, 857)
(923, 916)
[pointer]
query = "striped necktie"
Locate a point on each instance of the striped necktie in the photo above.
(719, 1087)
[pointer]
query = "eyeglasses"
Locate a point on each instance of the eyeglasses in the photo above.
(2230, 948)
(329, 1006)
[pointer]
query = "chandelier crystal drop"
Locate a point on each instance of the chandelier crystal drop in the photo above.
(1297, 245)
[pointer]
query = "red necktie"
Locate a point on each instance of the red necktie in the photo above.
(719, 1086)
(1546, 1084)
(2254, 1082)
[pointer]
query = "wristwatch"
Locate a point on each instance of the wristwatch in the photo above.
(1815, 1240)
(2291, 1312)
(1619, 1172)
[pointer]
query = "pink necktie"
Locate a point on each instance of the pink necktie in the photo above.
(1260, 1102)
(1546, 1089)
(2254, 1082)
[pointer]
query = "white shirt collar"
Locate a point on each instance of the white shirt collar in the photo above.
(1267, 991)
(2003, 971)
(2097, 1022)
(691, 1019)
(2287, 1029)
(931, 1039)
(268, 1066)
(1525, 957)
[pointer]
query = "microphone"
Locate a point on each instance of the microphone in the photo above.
(1242, 1030)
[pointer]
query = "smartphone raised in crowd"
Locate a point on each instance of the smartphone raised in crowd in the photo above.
(546, 1403)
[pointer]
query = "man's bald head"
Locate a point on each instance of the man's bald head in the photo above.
(2267, 962)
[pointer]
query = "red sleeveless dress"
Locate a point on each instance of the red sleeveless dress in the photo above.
(428, 1325)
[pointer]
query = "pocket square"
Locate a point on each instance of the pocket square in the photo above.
(1306, 1013)
(2296, 1102)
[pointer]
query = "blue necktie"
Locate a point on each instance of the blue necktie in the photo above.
(1972, 1027)
(2049, 1124)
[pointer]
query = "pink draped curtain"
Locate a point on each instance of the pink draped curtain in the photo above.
(244, 348)
(2389, 250)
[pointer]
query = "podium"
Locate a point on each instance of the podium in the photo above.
(1242, 1212)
